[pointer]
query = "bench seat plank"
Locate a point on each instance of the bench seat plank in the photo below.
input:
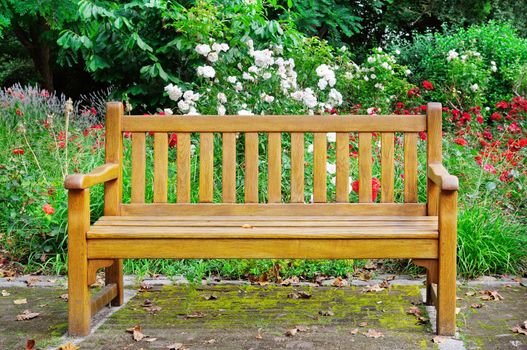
(263, 248)
(251, 227)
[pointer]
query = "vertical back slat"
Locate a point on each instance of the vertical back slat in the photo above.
(297, 167)
(183, 168)
(114, 154)
(410, 167)
(274, 182)
(387, 167)
(228, 170)
(160, 167)
(319, 168)
(251, 167)
(434, 151)
(138, 167)
(343, 167)
(206, 165)
(365, 165)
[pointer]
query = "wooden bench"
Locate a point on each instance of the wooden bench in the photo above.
(424, 232)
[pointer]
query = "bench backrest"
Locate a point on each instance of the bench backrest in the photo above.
(236, 133)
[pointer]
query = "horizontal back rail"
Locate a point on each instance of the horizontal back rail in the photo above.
(271, 123)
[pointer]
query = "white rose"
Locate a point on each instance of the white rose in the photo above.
(322, 84)
(183, 106)
(203, 49)
(231, 79)
(267, 75)
(222, 97)
(174, 92)
(168, 111)
(206, 71)
(331, 168)
(332, 136)
(221, 110)
(212, 57)
(245, 112)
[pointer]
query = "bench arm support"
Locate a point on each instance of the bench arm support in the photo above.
(104, 173)
(438, 174)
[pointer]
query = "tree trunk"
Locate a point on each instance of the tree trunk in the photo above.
(38, 47)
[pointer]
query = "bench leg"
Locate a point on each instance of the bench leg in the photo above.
(431, 276)
(446, 286)
(114, 274)
(79, 312)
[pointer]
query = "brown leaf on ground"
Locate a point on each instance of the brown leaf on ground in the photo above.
(326, 313)
(291, 332)
(374, 288)
(137, 335)
(259, 334)
(370, 266)
(176, 346)
(476, 306)
(372, 333)
(32, 280)
(153, 309)
(414, 310)
(20, 301)
(339, 282)
(438, 339)
(299, 295)
(289, 281)
(30, 344)
(364, 276)
(197, 314)
(354, 331)
(64, 296)
(363, 324)
(385, 284)
(210, 297)
(147, 303)
(422, 320)
(5, 293)
(68, 346)
(27, 315)
(302, 328)
(490, 295)
(521, 329)
(210, 341)
(143, 287)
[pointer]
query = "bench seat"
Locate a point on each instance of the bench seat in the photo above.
(265, 227)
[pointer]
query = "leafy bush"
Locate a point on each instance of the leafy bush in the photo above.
(465, 65)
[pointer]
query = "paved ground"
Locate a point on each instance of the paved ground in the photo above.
(238, 316)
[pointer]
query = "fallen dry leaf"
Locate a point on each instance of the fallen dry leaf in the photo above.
(27, 315)
(414, 310)
(64, 296)
(197, 314)
(289, 281)
(339, 282)
(363, 324)
(491, 295)
(476, 306)
(210, 341)
(302, 328)
(143, 287)
(291, 332)
(326, 313)
(20, 301)
(438, 339)
(176, 346)
(153, 309)
(372, 333)
(299, 295)
(5, 293)
(137, 335)
(68, 346)
(370, 266)
(373, 288)
(354, 331)
(30, 344)
(259, 334)
(210, 297)
(521, 329)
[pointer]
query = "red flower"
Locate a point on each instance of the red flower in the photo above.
(487, 135)
(489, 168)
(422, 135)
(461, 141)
(48, 209)
(479, 118)
(62, 144)
(19, 112)
(502, 104)
(413, 92)
(399, 105)
(375, 186)
(496, 116)
(506, 177)
(93, 111)
(172, 140)
(428, 85)
(18, 151)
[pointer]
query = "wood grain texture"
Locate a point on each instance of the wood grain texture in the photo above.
(206, 167)
(113, 154)
(114, 275)
(319, 168)
(103, 298)
(183, 168)
(138, 167)
(343, 168)
(446, 287)
(78, 293)
(276, 123)
(278, 209)
(160, 167)
(251, 167)
(104, 173)
(297, 168)
(263, 248)
(434, 151)
(274, 163)
(365, 168)
(410, 167)
(95, 265)
(438, 174)
(387, 167)
(228, 170)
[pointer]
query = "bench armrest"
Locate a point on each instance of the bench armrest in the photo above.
(438, 174)
(104, 173)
